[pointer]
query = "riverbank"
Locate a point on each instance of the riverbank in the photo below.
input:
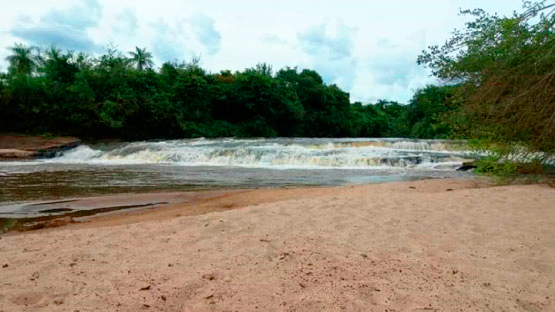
(423, 245)
(17, 146)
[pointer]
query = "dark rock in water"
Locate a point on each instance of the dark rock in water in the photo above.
(467, 166)
(31, 147)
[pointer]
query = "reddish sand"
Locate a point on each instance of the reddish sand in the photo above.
(435, 245)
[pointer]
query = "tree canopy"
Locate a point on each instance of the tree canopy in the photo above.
(22, 61)
(141, 58)
(505, 70)
(119, 96)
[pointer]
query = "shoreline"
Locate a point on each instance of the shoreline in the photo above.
(417, 245)
(127, 208)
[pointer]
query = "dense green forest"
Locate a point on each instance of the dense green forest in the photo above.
(498, 87)
(118, 96)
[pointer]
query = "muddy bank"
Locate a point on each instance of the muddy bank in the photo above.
(14, 146)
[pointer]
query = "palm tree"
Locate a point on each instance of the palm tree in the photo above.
(54, 53)
(141, 58)
(22, 61)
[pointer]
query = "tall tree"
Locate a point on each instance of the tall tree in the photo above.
(22, 61)
(141, 58)
(58, 66)
(506, 68)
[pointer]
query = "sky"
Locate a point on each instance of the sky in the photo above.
(368, 48)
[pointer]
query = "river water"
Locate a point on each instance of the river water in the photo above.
(104, 168)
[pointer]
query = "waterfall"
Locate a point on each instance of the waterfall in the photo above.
(273, 153)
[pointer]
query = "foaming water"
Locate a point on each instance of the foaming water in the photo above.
(227, 163)
(271, 153)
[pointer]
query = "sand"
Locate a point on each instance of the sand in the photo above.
(435, 245)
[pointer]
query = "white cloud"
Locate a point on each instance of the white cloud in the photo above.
(126, 23)
(273, 39)
(367, 47)
(205, 32)
(329, 49)
(65, 28)
(166, 42)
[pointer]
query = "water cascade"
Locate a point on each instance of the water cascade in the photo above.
(274, 153)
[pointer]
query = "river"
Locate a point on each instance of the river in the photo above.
(193, 164)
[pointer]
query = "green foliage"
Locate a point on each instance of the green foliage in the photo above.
(116, 96)
(508, 163)
(505, 69)
(494, 166)
(141, 58)
(430, 111)
(22, 61)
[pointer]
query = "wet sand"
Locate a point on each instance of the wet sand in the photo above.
(434, 245)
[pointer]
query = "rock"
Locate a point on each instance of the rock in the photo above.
(468, 165)
(30, 147)
(12, 153)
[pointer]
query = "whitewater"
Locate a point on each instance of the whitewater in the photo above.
(109, 167)
(272, 153)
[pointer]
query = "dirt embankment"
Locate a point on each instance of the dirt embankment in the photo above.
(13, 146)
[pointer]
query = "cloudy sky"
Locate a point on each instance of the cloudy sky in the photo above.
(368, 48)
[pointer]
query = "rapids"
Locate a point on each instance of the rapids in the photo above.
(103, 168)
(273, 153)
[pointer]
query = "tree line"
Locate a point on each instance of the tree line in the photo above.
(122, 96)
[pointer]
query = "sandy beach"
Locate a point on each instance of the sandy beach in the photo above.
(432, 245)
